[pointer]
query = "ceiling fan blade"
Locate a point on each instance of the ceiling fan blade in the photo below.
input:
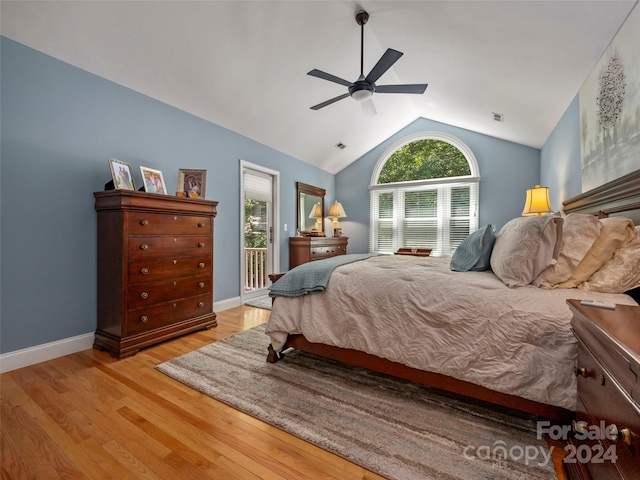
(328, 76)
(329, 102)
(390, 57)
(368, 108)
(412, 88)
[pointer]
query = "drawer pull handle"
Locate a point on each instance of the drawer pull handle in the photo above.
(175, 240)
(578, 427)
(581, 372)
(144, 246)
(175, 305)
(201, 284)
(201, 265)
(200, 304)
(144, 295)
(201, 245)
(144, 223)
(144, 271)
(200, 225)
(624, 435)
(144, 318)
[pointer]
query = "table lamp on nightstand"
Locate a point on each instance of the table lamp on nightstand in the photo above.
(336, 211)
(537, 202)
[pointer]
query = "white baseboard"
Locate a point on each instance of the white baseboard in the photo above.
(48, 351)
(42, 353)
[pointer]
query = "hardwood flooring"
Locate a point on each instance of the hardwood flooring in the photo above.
(88, 415)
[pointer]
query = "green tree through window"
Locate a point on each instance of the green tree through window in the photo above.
(424, 159)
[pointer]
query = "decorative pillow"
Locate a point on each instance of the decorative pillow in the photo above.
(579, 232)
(474, 253)
(615, 232)
(621, 273)
(525, 247)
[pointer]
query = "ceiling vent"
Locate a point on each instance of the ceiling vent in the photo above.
(341, 145)
(498, 117)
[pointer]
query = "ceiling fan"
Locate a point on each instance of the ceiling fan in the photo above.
(362, 89)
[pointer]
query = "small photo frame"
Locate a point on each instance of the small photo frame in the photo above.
(337, 232)
(192, 182)
(153, 180)
(122, 175)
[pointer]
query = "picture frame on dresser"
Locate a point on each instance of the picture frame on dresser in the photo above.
(192, 181)
(122, 175)
(153, 180)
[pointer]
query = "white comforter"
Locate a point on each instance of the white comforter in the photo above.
(470, 326)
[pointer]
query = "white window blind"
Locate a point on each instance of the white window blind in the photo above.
(437, 216)
(257, 186)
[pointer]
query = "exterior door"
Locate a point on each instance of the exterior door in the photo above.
(259, 207)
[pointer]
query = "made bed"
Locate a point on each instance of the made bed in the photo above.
(500, 335)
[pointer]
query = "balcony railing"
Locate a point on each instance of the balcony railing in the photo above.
(255, 276)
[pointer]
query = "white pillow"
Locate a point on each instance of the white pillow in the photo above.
(525, 247)
(578, 234)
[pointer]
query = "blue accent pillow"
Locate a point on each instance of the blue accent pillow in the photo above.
(474, 253)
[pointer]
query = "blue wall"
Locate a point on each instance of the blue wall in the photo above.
(60, 124)
(560, 163)
(507, 170)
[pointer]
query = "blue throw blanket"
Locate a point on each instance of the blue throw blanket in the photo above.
(313, 276)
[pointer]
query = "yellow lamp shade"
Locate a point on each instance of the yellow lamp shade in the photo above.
(537, 202)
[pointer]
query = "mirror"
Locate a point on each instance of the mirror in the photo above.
(309, 199)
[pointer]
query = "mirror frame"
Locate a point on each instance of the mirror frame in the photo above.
(303, 188)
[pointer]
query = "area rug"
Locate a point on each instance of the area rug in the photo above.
(397, 429)
(260, 302)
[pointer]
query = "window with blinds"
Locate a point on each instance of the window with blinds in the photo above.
(424, 213)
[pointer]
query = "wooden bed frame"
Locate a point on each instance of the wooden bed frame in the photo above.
(621, 196)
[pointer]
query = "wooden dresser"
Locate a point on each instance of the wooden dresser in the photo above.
(608, 373)
(308, 249)
(155, 268)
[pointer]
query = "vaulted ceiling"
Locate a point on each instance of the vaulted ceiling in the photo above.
(243, 64)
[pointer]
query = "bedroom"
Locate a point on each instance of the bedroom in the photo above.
(59, 125)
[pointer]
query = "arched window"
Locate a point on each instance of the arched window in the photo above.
(424, 194)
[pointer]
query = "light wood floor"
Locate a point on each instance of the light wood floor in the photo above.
(88, 415)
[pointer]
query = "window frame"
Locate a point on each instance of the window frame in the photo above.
(472, 180)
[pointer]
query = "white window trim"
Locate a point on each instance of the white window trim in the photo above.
(473, 178)
(430, 135)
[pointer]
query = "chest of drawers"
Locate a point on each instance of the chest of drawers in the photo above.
(607, 440)
(308, 249)
(155, 269)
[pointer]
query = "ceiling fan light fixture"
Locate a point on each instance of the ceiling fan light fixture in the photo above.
(362, 95)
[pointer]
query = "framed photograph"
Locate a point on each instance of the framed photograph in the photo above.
(192, 181)
(153, 180)
(337, 232)
(122, 175)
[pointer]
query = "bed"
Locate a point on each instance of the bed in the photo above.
(501, 335)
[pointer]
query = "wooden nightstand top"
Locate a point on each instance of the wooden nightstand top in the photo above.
(623, 323)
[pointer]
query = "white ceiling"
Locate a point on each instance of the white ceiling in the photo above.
(243, 64)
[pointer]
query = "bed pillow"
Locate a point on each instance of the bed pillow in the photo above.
(474, 253)
(525, 247)
(579, 232)
(615, 233)
(621, 273)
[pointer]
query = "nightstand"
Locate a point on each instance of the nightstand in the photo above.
(415, 252)
(606, 442)
(310, 249)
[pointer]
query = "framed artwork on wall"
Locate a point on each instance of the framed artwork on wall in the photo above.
(122, 175)
(153, 180)
(192, 182)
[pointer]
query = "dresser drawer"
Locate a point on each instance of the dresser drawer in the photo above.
(149, 294)
(146, 319)
(162, 224)
(148, 271)
(327, 251)
(168, 245)
(603, 399)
